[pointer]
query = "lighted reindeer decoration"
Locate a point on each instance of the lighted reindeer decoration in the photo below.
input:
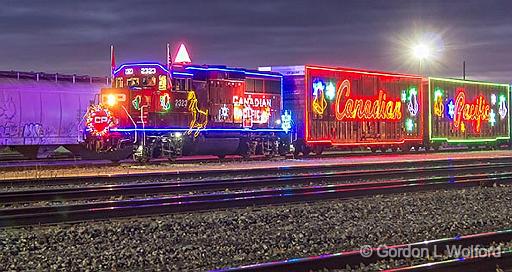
(199, 117)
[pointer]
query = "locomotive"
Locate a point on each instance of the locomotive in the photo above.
(153, 111)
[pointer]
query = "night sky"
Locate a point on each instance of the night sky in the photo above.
(74, 36)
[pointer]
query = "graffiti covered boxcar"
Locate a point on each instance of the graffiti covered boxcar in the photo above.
(38, 109)
(466, 112)
(349, 108)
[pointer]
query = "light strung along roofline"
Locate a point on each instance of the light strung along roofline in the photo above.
(360, 71)
(205, 129)
(233, 70)
(465, 81)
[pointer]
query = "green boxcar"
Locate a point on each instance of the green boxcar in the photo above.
(463, 112)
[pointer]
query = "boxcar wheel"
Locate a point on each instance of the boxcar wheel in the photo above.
(306, 151)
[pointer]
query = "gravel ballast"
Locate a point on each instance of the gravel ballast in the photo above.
(209, 240)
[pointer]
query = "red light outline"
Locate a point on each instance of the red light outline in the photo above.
(418, 139)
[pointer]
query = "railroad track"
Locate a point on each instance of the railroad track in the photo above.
(203, 202)
(91, 192)
(201, 174)
(73, 162)
(430, 249)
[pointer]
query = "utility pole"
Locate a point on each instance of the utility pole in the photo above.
(464, 70)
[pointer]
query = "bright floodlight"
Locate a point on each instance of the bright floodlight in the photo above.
(421, 51)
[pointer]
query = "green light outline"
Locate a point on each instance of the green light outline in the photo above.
(468, 81)
(439, 139)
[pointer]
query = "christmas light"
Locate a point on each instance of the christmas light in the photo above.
(503, 107)
(469, 113)
(223, 112)
(165, 102)
(476, 112)
(182, 55)
(409, 125)
(451, 109)
(365, 108)
(136, 102)
(413, 105)
(99, 120)
(492, 118)
(438, 106)
(197, 114)
(319, 102)
(330, 91)
(286, 121)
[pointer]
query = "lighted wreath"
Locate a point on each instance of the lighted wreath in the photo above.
(99, 120)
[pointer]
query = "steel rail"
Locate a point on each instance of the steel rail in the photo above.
(434, 247)
(203, 202)
(176, 174)
(91, 192)
(166, 174)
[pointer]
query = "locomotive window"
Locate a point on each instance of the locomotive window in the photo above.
(162, 82)
(119, 82)
(133, 82)
(273, 86)
(182, 84)
(249, 83)
(149, 81)
(258, 86)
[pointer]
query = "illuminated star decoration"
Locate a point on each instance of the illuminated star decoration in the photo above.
(503, 107)
(409, 125)
(493, 99)
(492, 118)
(330, 91)
(451, 109)
(404, 95)
(223, 112)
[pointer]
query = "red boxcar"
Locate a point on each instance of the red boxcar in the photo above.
(350, 108)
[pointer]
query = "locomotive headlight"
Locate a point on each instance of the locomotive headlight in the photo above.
(177, 134)
(111, 100)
